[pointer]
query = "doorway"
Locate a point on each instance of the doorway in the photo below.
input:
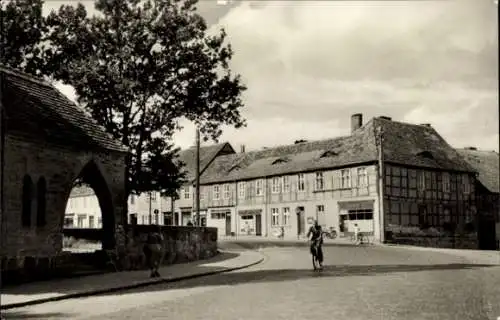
(228, 224)
(301, 221)
(258, 225)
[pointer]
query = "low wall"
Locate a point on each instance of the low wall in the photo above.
(181, 244)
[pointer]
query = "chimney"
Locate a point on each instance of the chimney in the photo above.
(385, 118)
(425, 124)
(471, 148)
(242, 148)
(356, 121)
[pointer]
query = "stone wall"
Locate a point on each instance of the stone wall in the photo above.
(431, 237)
(181, 244)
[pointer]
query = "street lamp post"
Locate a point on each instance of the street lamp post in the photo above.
(150, 215)
(197, 195)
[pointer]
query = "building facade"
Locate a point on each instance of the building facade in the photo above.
(389, 178)
(486, 163)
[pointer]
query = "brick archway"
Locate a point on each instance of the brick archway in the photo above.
(92, 176)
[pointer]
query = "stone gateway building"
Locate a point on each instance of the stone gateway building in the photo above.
(47, 144)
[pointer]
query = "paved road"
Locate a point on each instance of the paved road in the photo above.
(357, 283)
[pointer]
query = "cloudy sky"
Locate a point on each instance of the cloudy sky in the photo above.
(310, 65)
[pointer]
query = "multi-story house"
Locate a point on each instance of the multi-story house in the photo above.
(82, 209)
(340, 182)
(486, 163)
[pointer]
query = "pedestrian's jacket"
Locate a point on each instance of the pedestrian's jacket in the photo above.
(316, 233)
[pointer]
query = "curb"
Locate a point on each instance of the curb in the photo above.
(127, 287)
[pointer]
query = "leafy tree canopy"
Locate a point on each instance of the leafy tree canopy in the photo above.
(138, 67)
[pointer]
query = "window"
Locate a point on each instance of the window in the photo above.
(275, 186)
(157, 218)
(446, 182)
(320, 214)
(258, 187)
(286, 216)
(216, 192)
(41, 202)
(99, 223)
(362, 177)
(226, 191)
(360, 214)
(68, 222)
(153, 196)
(187, 192)
(319, 181)
(275, 217)
(320, 208)
(143, 218)
(219, 215)
(27, 196)
(465, 184)
(202, 194)
(421, 181)
(91, 222)
(80, 221)
(286, 184)
(300, 182)
(345, 178)
(241, 190)
(132, 199)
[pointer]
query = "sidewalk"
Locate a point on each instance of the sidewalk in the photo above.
(474, 256)
(55, 290)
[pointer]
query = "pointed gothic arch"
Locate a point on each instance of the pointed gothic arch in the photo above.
(91, 175)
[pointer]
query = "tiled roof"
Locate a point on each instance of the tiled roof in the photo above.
(207, 154)
(36, 107)
(403, 143)
(486, 164)
(406, 143)
(81, 191)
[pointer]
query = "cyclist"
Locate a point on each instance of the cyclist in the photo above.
(316, 238)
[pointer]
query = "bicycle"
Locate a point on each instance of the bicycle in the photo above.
(314, 253)
(331, 233)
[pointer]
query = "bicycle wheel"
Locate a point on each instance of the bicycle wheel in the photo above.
(315, 259)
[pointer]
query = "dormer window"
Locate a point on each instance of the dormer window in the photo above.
(329, 153)
(425, 154)
(280, 160)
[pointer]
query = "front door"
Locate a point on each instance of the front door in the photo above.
(228, 224)
(258, 225)
(301, 221)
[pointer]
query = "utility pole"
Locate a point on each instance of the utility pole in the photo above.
(197, 195)
(379, 140)
(150, 215)
(2, 143)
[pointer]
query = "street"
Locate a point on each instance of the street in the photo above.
(357, 283)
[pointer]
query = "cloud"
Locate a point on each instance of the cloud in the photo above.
(411, 60)
(310, 65)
